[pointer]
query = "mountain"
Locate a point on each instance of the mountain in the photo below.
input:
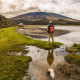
(4, 22)
(43, 18)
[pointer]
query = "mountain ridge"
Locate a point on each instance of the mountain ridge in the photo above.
(32, 17)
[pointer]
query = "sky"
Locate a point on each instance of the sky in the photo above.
(69, 8)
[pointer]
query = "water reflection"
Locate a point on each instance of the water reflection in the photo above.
(43, 60)
(50, 57)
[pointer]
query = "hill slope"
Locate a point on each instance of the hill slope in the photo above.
(4, 22)
(42, 18)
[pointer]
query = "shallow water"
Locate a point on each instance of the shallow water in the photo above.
(44, 59)
(70, 38)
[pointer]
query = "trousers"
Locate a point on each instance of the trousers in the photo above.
(52, 36)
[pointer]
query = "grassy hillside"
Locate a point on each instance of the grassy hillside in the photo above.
(4, 22)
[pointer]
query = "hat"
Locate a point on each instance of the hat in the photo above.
(50, 21)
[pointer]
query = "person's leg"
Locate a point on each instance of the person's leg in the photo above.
(52, 38)
(48, 38)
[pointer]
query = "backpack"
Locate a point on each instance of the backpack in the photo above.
(51, 29)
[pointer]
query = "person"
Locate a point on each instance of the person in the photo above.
(50, 34)
(50, 57)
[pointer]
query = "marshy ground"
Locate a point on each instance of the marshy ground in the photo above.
(39, 60)
(13, 43)
(12, 67)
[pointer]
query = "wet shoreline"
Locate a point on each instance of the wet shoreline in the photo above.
(39, 33)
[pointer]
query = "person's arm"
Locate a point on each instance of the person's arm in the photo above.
(48, 29)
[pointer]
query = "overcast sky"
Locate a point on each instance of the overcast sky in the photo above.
(70, 8)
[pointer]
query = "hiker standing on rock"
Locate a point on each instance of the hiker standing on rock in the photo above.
(50, 31)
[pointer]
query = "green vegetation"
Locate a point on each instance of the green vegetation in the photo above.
(74, 48)
(12, 67)
(69, 70)
(73, 59)
(72, 69)
(9, 39)
(64, 69)
(4, 22)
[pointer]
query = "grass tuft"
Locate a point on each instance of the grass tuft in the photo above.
(75, 48)
(69, 69)
(73, 59)
(13, 67)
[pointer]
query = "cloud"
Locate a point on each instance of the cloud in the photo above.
(32, 8)
(15, 13)
(54, 1)
(11, 8)
(76, 1)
